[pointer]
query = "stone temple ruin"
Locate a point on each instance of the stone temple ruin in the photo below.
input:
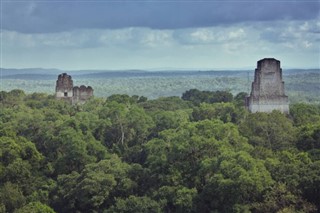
(66, 91)
(267, 91)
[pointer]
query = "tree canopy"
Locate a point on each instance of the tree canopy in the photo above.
(202, 152)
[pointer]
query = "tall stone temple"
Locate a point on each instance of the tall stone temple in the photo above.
(66, 91)
(267, 90)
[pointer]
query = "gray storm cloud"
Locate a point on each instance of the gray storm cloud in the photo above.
(45, 16)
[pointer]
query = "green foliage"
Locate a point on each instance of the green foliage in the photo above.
(227, 112)
(126, 99)
(270, 130)
(12, 98)
(176, 198)
(289, 168)
(279, 199)
(35, 207)
(166, 104)
(200, 153)
(239, 99)
(93, 187)
(310, 182)
(130, 125)
(71, 151)
(169, 119)
(234, 178)
(177, 156)
(11, 197)
(309, 138)
(197, 97)
(303, 113)
(134, 204)
(19, 159)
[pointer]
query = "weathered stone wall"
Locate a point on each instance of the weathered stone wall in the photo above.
(269, 107)
(82, 93)
(66, 91)
(64, 86)
(267, 90)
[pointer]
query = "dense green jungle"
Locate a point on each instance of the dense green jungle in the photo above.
(200, 151)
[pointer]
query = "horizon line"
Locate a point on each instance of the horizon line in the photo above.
(164, 69)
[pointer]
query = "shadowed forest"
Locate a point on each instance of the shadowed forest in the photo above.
(201, 152)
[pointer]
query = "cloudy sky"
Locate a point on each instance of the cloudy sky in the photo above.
(158, 34)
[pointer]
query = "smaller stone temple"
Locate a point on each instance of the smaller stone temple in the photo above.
(267, 90)
(66, 91)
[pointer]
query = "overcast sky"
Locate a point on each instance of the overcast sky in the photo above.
(73, 35)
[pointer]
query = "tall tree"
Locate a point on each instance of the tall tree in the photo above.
(271, 130)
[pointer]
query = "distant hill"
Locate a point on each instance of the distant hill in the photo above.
(34, 76)
(28, 71)
(300, 85)
(51, 74)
